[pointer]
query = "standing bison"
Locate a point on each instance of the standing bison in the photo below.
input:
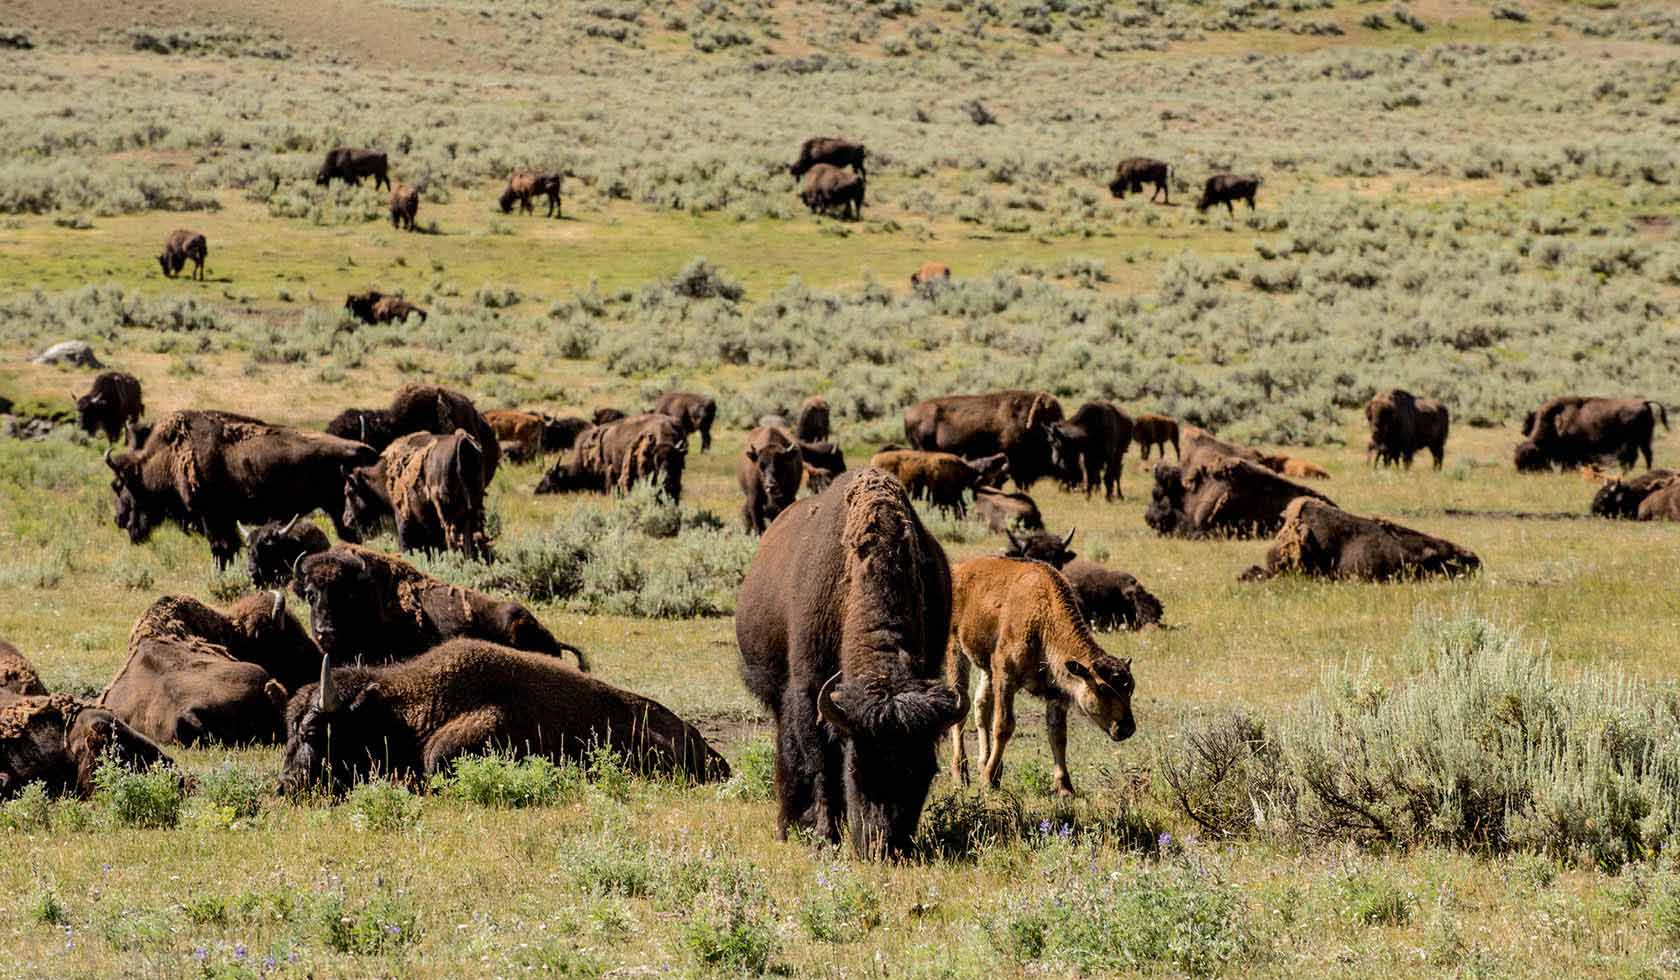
(1152, 431)
(1015, 423)
(1321, 540)
(180, 246)
(1132, 174)
(350, 166)
(831, 151)
(769, 472)
(931, 274)
(1227, 189)
(432, 487)
(1572, 431)
(829, 188)
(110, 405)
(524, 185)
(405, 204)
(694, 413)
(373, 306)
(812, 424)
(421, 408)
(1402, 425)
(1090, 448)
(842, 623)
(941, 478)
(614, 457)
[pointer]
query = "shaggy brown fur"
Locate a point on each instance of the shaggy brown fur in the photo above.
(110, 405)
(180, 246)
(616, 456)
(1018, 622)
(768, 473)
(405, 204)
(1090, 448)
(694, 413)
(17, 674)
(519, 433)
(1402, 425)
(58, 741)
(812, 425)
(1014, 422)
(1151, 431)
(942, 478)
(1321, 540)
(1663, 505)
(1131, 174)
(829, 150)
(440, 411)
(828, 188)
(1214, 495)
(432, 486)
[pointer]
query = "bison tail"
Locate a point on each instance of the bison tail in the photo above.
(583, 661)
(1660, 412)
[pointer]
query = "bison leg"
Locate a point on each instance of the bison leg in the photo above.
(1055, 728)
(983, 705)
(1230, 208)
(956, 674)
(802, 748)
(1003, 726)
(706, 437)
(472, 733)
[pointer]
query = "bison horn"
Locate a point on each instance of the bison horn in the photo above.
(290, 524)
(279, 604)
(1069, 539)
(244, 532)
(108, 462)
(326, 695)
(297, 573)
(830, 711)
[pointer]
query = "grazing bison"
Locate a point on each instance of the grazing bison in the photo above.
(377, 607)
(1151, 431)
(812, 425)
(17, 674)
(1132, 174)
(524, 185)
(1090, 448)
(520, 434)
(466, 697)
(195, 674)
(1019, 624)
(1663, 505)
(180, 246)
(1227, 189)
(1402, 425)
(930, 275)
(369, 425)
(1571, 431)
(351, 166)
(209, 471)
(59, 741)
(1321, 540)
(432, 487)
(1003, 511)
(405, 204)
(1293, 467)
(769, 472)
(1213, 495)
(823, 463)
(614, 457)
(831, 151)
(827, 188)
(1623, 498)
(1015, 423)
(603, 416)
(694, 413)
(274, 548)
(110, 405)
(841, 623)
(942, 478)
(1110, 599)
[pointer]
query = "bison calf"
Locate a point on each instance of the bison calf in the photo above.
(1151, 431)
(828, 188)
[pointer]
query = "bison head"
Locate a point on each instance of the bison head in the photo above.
(274, 548)
(568, 477)
(1166, 501)
(139, 511)
(346, 607)
(94, 734)
(338, 730)
(506, 200)
(780, 467)
(1617, 499)
(91, 410)
(365, 505)
(1529, 459)
(1041, 546)
(990, 471)
(1103, 691)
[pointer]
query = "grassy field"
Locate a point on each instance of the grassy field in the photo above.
(1481, 209)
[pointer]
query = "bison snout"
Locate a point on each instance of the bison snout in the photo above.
(1122, 730)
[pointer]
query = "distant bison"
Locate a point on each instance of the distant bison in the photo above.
(524, 185)
(831, 151)
(1014, 422)
(1402, 425)
(110, 405)
(431, 485)
(373, 306)
(274, 548)
(1090, 448)
(1293, 467)
(827, 189)
(941, 478)
(769, 473)
(1571, 431)
(1623, 498)
(1213, 495)
(693, 412)
(350, 166)
(614, 457)
(405, 204)
(930, 274)
(180, 246)
(812, 424)
(1152, 431)
(1226, 189)
(1131, 174)
(1319, 539)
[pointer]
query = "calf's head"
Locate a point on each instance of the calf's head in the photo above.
(1102, 689)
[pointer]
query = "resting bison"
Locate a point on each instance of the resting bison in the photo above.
(1226, 189)
(1571, 430)
(1132, 174)
(1003, 511)
(842, 622)
(616, 456)
(1212, 495)
(1623, 498)
(59, 741)
(180, 246)
(1110, 599)
(432, 487)
(195, 674)
(1090, 448)
(110, 405)
(768, 473)
(520, 434)
(1015, 423)
(1197, 441)
(405, 204)
(812, 425)
(828, 188)
(524, 185)
(1151, 431)
(1019, 624)
(1664, 505)
(467, 697)
(17, 674)
(374, 306)
(274, 548)
(1402, 425)
(831, 151)
(694, 413)
(1293, 467)
(1321, 540)
(351, 166)
(930, 274)
(377, 607)
(823, 463)
(942, 478)
(210, 471)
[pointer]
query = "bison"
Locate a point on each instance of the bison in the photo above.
(1402, 425)
(273, 549)
(524, 185)
(823, 463)
(1019, 624)
(421, 408)
(1132, 174)
(377, 607)
(180, 246)
(1321, 540)
(812, 424)
(1002, 511)
(17, 674)
(1293, 467)
(1014, 422)
(350, 166)
(942, 478)
(110, 405)
(1571, 431)
(841, 623)
(1110, 599)
(604, 415)
(831, 151)
(369, 425)
(828, 188)
(405, 204)
(466, 697)
(1211, 495)
(1090, 448)
(694, 413)
(769, 472)
(1227, 189)
(520, 434)
(60, 741)
(209, 471)
(929, 275)
(373, 306)
(1623, 498)
(432, 487)
(560, 434)
(1663, 505)
(616, 456)
(1152, 431)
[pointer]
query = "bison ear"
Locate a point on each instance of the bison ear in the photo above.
(369, 694)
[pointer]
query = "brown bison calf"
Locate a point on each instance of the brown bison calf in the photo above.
(405, 204)
(520, 434)
(942, 478)
(180, 246)
(1132, 174)
(829, 188)
(1226, 189)
(929, 275)
(1321, 540)
(1293, 467)
(1151, 431)
(110, 405)
(1019, 624)
(769, 472)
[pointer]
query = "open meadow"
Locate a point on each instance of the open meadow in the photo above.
(1473, 200)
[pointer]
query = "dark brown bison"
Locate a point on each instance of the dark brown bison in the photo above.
(425, 408)
(1663, 505)
(812, 424)
(1528, 458)
(195, 674)
(1213, 495)
(560, 434)
(1090, 448)
(369, 425)
(1402, 425)
(695, 413)
(613, 458)
(942, 478)
(604, 415)
(1015, 423)
(373, 306)
(1321, 540)
(110, 405)
(272, 550)
(831, 151)
(1227, 189)
(351, 166)
(210, 471)
(829, 188)
(768, 473)
(1571, 430)
(17, 674)
(377, 607)
(1132, 174)
(59, 741)
(1110, 599)
(405, 204)
(524, 185)
(1003, 511)
(842, 623)
(1623, 498)
(431, 486)
(469, 697)
(823, 463)
(929, 275)
(180, 246)
(1152, 431)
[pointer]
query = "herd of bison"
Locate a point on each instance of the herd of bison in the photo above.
(855, 632)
